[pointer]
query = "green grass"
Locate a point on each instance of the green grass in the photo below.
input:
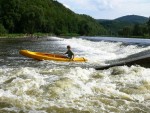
(12, 35)
(69, 34)
(24, 35)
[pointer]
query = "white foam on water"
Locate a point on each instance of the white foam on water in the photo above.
(53, 88)
(100, 51)
(36, 89)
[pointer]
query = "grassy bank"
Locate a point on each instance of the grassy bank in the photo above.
(67, 35)
(35, 35)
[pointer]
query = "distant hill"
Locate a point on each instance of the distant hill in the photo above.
(113, 26)
(132, 19)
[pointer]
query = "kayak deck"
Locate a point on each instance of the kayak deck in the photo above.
(49, 56)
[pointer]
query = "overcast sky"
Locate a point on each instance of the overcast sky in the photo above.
(108, 9)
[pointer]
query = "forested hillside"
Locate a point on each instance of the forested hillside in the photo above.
(132, 19)
(128, 26)
(46, 16)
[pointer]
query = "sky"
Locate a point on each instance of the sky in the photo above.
(108, 9)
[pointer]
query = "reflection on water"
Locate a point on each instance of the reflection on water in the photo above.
(30, 86)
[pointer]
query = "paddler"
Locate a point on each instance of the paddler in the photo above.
(69, 53)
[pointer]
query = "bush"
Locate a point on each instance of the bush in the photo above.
(2, 30)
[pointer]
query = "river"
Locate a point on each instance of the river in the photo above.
(30, 86)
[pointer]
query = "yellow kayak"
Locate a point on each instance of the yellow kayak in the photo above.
(49, 56)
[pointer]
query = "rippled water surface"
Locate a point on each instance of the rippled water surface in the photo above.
(30, 86)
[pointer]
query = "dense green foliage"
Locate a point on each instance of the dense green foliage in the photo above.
(46, 16)
(130, 26)
(49, 16)
(132, 19)
(2, 30)
(148, 26)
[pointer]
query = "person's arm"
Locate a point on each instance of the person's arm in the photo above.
(66, 52)
(72, 55)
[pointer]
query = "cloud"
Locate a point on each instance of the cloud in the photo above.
(91, 4)
(67, 6)
(108, 8)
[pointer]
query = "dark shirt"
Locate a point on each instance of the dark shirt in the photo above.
(70, 54)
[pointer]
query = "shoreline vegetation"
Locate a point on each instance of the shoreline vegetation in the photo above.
(21, 35)
(46, 16)
(35, 35)
(37, 19)
(40, 36)
(24, 37)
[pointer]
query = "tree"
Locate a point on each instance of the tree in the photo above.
(31, 20)
(127, 31)
(48, 16)
(137, 31)
(148, 25)
(2, 29)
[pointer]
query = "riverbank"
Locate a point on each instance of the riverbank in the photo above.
(25, 37)
(41, 36)
(35, 35)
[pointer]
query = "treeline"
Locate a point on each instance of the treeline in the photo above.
(46, 16)
(137, 30)
(128, 26)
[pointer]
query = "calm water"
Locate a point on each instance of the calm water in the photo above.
(30, 86)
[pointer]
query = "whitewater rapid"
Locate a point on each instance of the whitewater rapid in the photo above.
(29, 86)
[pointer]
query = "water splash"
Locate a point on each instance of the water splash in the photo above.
(51, 87)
